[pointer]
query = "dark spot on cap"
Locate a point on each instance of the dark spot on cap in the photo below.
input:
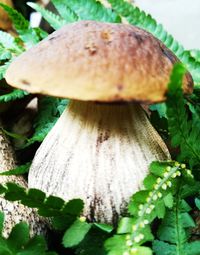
(106, 36)
(120, 87)
(167, 53)
(92, 48)
(25, 82)
(52, 38)
(137, 36)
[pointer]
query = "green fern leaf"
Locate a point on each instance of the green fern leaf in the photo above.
(92, 243)
(47, 206)
(23, 169)
(4, 54)
(184, 133)
(66, 13)
(145, 206)
(19, 22)
(173, 232)
(54, 20)
(139, 18)
(76, 233)
(2, 218)
(29, 36)
(89, 10)
(15, 94)
(19, 241)
(3, 69)
(49, 110)
(8, 42)
(164, 248)
(195, 54)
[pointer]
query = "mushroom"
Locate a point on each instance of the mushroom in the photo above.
(14, 211)
(100, 148)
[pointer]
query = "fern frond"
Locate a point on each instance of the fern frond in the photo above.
(89, 10)
(15, 94)
(3, 69)
(48, 206)
(19, 22)
(54, 20)
(145, 206)
(23, 169)
(49, 110)
(195, 54)
(4, 54)
(139, 18)
(30, 36)
(174, 231)
(19, 241)
(8, 42)
(66, 13)
(184, 132)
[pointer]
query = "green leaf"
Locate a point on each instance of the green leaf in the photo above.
(142, 251)
(3, 69)
(29, 36)
(15, 94)
(18, 170)
(116, 245)
(14, 192)
(73, 207)
(3, 189)
(34, 198)
(149, 181)
(63, 221)
(8, 42)
(160, 209)
(174, 231)
(1, 222)
(55, 202)
(47, 206)
(160, 108)
(183, 132)
(158, 168)
(195, 54)
(197, 203)
(160, 247)
(67, 14)
(147, 204)
(93, 243)
(193, 248)
(20, 243)
(49, 110)
(125, 225)
(186, 220)
(104, 227)
(168, 200)
(5, 54)
(19, 236)
(88, 10)
(76, 233)
(54, 20)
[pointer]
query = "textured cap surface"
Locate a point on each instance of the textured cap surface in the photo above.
(90, 60)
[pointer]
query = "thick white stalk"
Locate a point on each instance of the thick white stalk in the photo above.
(99, 153)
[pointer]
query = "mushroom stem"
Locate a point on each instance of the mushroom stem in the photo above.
(99, 153)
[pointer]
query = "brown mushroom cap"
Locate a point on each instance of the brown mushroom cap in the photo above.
(5, 22)
(96, 61)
